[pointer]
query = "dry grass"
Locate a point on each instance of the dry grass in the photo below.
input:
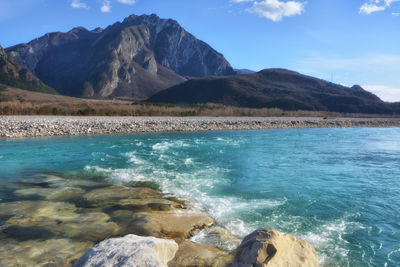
(20, 102)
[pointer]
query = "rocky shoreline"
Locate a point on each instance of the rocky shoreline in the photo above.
(41, 126)
(51, 220)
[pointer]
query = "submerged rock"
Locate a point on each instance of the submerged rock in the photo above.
(57, 194)
(148, 204)
(37, 208)
(217, 237)
(132, 251)
(48, 178)
(268, 247)
(51, 252)
(43, 219)
(193, 254)
(107, 195)
(64, 217)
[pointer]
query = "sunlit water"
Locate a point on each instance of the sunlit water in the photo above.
(337, 188)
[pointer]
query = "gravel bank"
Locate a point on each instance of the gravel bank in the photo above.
(36, 126)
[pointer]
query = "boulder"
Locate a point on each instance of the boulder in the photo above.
(132, 251)
(193, 254)
(268, 247)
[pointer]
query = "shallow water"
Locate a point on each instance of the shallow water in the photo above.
(336, 188)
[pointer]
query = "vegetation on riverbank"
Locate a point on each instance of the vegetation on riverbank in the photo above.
(21, 102)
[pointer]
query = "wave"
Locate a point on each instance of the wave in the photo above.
(229, 211)
(163, 146)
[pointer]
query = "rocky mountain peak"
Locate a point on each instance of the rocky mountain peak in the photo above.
(152, 19)
(357, 87)
(134, 58)
(98, 30)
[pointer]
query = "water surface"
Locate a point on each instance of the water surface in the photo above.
(336, 188)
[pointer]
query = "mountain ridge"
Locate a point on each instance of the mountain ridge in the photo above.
(134, 58)
(276, 88)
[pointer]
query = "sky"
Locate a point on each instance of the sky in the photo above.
(344, 41)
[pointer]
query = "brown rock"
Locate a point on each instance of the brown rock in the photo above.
(176, 224)
(191, 254)
(179, 225)
(268, 247)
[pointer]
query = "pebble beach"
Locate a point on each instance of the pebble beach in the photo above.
(40, 126)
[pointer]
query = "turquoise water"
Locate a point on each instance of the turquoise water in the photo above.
(337, 188)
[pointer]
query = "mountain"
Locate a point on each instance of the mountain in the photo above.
(275, 88)
(134, 58)
(13, 74)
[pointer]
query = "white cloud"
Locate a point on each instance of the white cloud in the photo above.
(385, 93)
(78, 4)
(371, 8)
(106, 7)
(128, 2)
(275, 10)
(375, 5)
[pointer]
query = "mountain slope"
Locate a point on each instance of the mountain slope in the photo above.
(134, 58)
(275, 88)
(13, 74)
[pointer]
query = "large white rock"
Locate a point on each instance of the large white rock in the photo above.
(132, 251)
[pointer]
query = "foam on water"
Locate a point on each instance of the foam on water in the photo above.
(195, 184)
(225, 210)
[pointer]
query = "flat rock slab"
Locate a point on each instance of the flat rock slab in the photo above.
(176, 224)
(48, 253)
(45, 219)
(55, 194)
(115, 193)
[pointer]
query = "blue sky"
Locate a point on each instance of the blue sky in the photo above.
(353, 41)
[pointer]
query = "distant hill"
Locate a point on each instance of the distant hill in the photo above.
(134, 58)
(13, 74)
(244, 71)
(276, 88)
